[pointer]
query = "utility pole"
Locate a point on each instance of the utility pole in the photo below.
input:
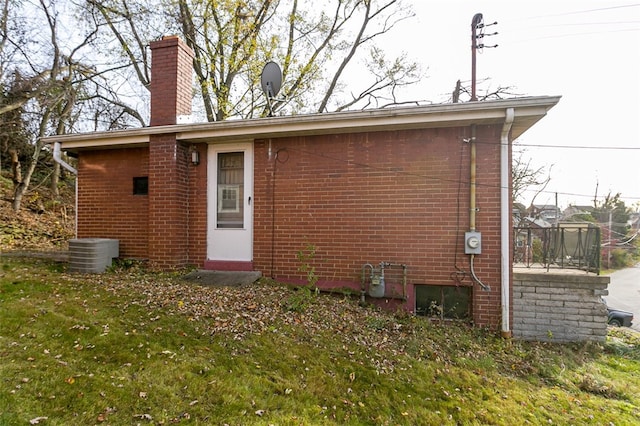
(477, 24)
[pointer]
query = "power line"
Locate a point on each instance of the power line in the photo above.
(575, 35)
(615, 25)
(572, 194)
(637, 148)
(589, 23)
(578, 12)
(518, 144)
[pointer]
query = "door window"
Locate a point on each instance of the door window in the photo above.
(230, 211)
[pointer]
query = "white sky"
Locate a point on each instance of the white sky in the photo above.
(587, 51)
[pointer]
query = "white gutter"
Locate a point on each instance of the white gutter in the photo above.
(57, 157)
(530, 110)
(505, 229)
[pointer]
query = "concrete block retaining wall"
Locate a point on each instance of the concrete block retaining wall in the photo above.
(559, 306)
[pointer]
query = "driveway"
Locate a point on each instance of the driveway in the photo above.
(624, 292)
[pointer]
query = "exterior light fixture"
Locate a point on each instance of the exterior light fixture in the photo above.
(195, 157)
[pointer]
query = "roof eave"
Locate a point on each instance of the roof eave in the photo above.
(527, 112)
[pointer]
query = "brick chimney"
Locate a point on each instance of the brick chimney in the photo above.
(171, 74)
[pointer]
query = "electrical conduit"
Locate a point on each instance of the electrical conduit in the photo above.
(472, 203)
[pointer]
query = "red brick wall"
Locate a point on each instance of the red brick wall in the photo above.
(168, 202)
(400, 197)
(197, 226)
(107, 207)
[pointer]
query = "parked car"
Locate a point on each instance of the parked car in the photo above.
(618, 318)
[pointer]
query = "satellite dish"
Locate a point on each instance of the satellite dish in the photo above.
(271, 79)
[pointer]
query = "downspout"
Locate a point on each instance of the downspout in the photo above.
(57, 157)
(505, 230)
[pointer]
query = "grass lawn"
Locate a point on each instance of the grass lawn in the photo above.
(135, 347)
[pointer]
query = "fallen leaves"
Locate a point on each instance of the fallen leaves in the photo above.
(143, 417)
(239, 311)
(233, 313)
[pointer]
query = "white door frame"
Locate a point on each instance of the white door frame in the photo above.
(229, 244)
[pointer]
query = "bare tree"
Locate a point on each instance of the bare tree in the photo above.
(57, 81)
(233, 40)
(486, 91)
(52, 90)
(525, 177)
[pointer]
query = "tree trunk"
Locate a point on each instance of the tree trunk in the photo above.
(17, 196)
(16, 169)
(22, 187)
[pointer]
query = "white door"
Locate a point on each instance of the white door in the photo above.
(230, 202)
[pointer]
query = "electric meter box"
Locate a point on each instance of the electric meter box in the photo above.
(472, 242)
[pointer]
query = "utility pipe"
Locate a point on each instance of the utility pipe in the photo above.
(404, 276)
(363, 291)
(505, 214)
(472, 180)
(472, 202)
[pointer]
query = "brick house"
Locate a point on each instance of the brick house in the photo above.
(396, 187)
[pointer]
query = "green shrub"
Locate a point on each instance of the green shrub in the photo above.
(620, 259)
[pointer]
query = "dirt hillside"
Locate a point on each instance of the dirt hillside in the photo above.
(44, 223)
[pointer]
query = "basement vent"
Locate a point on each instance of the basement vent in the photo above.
(92, 255)
(443, 301)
